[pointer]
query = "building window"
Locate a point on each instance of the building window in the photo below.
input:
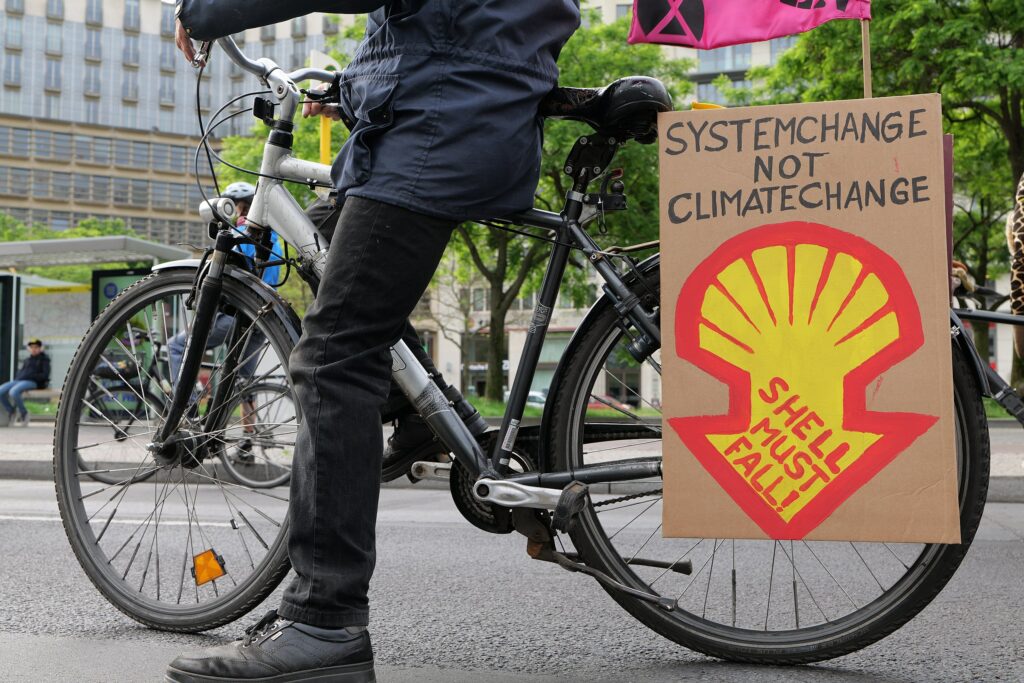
(80, 188)
(161, 157)
(179, 159)
(130, 86)
(131, 50)
(330, 25)
(166, 89)
(52, 107)
(62, 146)
(708, 93)
(299, 53)
(780, 45)
(139, 155)
(167, 58)
(12, 33)
(92, 110)
(140, 193)
(166, 119)
(42, 144)
(54, 39)
(12, 69)
(101, 189)
(299, 27)
(60, 220)
(101, 150)
(21, 178)
(733, 58)
(55, 9)
(92, 79)
(622, 10)
(15, 6)
(53, 72)
(94, 12)
(131, 15)
(167, 19)
(21, 138)
(122, 189)
(268, 32)
(93, 44)
(40, 184)
(130, 116)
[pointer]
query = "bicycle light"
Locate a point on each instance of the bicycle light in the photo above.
(211, 210)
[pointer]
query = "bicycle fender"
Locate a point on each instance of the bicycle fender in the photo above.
(962, 342)
(547, 417)
(267, 294)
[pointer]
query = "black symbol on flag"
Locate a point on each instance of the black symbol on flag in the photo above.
(686, 17)
(815, 4)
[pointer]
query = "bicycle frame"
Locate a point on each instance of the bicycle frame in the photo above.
(273, 207)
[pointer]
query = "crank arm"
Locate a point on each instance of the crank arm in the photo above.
(546, 553)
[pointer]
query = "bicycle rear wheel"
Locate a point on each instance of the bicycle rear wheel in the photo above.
(774, 602)
(259, 435)
(174, 542)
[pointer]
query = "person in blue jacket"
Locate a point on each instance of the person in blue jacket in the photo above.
(34, 374)
(442, 97)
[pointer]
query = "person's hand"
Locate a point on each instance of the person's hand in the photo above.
(311, 108)
(183, 42)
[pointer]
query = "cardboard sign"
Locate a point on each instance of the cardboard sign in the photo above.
(806, 347)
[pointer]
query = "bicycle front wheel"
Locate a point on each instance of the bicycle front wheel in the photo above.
(169, 537)
(772, 602)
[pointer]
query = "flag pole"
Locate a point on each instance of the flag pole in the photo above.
(865, 43)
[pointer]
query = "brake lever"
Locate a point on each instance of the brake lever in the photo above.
(203, 55)
(331, 95)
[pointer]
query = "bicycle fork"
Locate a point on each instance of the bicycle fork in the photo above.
(212, 284)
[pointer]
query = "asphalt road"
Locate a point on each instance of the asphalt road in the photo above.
(437, 617)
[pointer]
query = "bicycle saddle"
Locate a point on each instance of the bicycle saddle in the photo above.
(627, 108)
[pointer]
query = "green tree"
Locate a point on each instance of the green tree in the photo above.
(12, 230)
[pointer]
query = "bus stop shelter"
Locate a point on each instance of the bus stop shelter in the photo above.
(59, 313)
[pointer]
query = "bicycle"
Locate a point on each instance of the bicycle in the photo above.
(127, 394)
(584, 488)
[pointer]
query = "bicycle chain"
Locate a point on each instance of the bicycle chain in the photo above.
(629, 497)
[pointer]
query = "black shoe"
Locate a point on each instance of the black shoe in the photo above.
(276, 649)
(414, 440)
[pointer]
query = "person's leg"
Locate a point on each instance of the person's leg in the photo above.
(20, 387)
(5, 390)
(380, 263)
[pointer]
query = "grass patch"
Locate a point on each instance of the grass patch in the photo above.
(489, 408)
(993, 409)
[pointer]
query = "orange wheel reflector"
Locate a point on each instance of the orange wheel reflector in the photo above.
(207, 566)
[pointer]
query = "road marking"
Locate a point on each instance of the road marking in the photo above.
(41, 518)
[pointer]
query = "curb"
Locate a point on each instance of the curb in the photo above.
(1000, 489)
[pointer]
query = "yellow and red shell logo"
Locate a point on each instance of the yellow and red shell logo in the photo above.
(797, 319)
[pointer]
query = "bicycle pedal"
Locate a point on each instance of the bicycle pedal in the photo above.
(573, 500)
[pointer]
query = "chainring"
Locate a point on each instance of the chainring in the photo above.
(494, 519)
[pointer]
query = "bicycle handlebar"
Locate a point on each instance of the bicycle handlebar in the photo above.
(262, 68)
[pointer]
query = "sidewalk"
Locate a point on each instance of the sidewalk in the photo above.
(27, 453)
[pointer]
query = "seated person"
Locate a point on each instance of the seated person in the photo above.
(34, 374)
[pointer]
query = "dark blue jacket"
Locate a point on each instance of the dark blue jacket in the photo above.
(443, 95)
(37, 369)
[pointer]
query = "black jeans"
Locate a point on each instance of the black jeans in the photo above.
(380, 262)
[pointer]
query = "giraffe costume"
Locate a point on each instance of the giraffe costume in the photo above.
(1015, 242)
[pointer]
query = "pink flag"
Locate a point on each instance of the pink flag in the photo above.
(708, 24)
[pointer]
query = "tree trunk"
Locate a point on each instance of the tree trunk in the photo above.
(496, 352)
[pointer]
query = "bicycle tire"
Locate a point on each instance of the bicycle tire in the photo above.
(868, 623)
(246, 473)
(74, 491)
